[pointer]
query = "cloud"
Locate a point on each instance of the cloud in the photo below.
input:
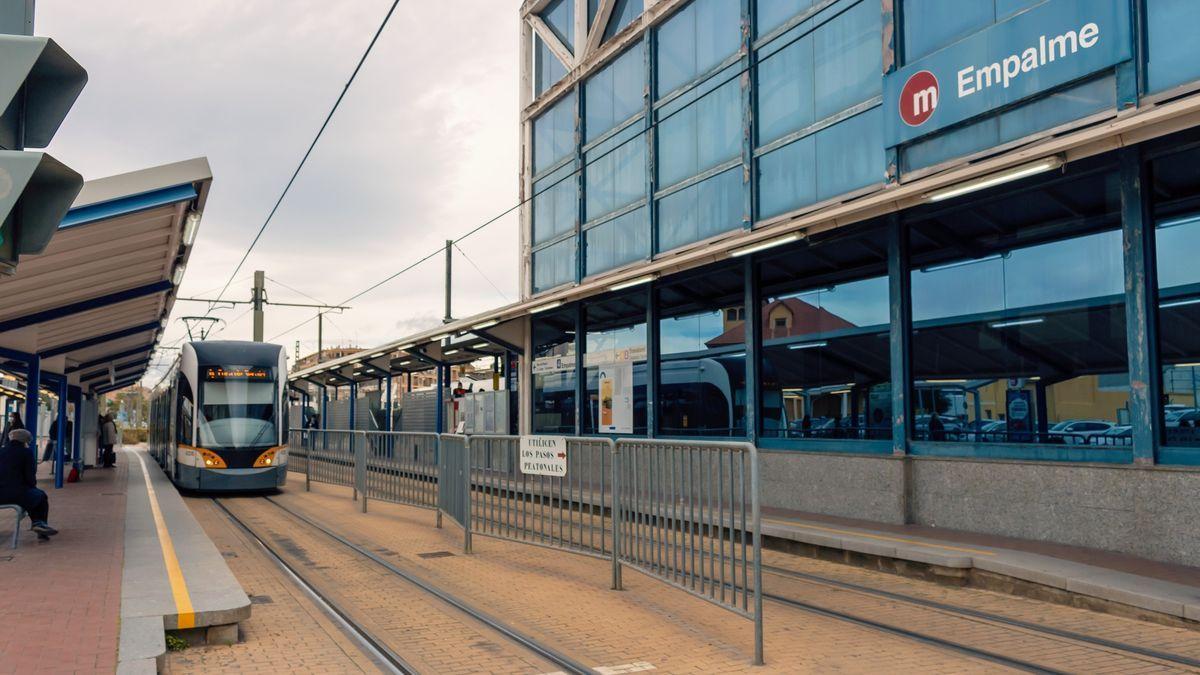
(423, 148)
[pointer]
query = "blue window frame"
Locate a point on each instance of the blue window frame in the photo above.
(554, 265)
(615, 93)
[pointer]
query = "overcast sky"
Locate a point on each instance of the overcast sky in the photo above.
(423, 148)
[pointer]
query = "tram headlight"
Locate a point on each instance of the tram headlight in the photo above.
(273, 457)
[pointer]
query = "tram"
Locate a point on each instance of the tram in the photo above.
(218, 421)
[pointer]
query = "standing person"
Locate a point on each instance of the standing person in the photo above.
(12, 423)
(51, 441)
(108, 438)
(18, 482)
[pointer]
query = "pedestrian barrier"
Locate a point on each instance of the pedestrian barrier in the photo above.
(684, 512)
(401, 467)
(453, 496)
(572, 512)
(688, 514)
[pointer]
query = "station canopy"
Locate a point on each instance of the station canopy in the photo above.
(94, 303)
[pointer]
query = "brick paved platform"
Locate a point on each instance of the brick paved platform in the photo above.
(60, 599)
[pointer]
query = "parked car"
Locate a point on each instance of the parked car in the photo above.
(1181, 417)
(1119, 435)
(1077, 432)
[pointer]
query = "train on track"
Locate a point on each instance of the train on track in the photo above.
(218, 420)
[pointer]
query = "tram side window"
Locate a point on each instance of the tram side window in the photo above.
(183, 425)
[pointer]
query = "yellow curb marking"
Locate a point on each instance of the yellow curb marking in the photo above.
(183, 601)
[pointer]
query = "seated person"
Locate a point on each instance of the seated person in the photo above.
(18, 483)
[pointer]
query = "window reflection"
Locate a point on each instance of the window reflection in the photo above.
(1178, 240)
(702, 383)
(826, 362)
(615, 364)
(1023, 346)
(554, 373)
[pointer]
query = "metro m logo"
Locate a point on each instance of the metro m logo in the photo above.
(919, 98)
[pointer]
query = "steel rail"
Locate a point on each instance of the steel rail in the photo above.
(987, 616)
(373, 645)
(558, 658)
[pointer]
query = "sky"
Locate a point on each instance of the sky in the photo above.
(423, 148)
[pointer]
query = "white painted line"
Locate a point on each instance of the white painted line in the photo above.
(635, 667)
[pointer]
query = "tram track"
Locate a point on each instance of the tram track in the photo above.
(980, 615)
(513, 636)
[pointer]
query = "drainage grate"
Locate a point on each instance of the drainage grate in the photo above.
(261, 600)
(435, 554)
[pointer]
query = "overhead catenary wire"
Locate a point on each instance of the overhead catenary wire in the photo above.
(652, 124)
(482, 273)
(288, 186)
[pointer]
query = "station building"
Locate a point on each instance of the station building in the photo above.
(933, 257)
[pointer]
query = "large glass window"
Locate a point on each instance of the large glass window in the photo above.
(623, 14)
(615, 362)
(236, 413)
(555, 204)
(702, 378)
(616, 172)
(554, 265)
(554, 134)
(695, 40)
(547, 69)
(619, 241)
(1176, 181)
(554, 373)
(826, 354)
(1019, 316)
(614, 94)
(823, 67)
(699, 130)
(700, 211)
(930, 25)
(559, 15)
(774, 13)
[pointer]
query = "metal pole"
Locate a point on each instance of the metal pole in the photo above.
(320, 336)
(449, 260)
(33, 385)
(257, 297)
(388, 407)
(77, 435)
(60, 440)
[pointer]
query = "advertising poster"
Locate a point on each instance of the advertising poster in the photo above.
(616, 398)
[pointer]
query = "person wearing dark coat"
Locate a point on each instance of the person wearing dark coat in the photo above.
(18, 482)
(11, 424)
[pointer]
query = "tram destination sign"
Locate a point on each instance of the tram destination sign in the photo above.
(544, 455)
(1050, 45)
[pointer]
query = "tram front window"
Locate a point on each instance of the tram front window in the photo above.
(237, 413)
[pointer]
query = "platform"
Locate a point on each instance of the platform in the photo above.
(99, 596)
(1172, 591)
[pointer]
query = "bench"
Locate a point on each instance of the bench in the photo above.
(17, 525)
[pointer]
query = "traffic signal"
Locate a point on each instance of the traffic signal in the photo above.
(39, 82)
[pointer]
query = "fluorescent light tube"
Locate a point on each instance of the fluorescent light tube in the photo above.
(808, 345)
(1017, 322)
(762, 246)
(546, 307)
(486, 324)
(992, 180)
(630, 283)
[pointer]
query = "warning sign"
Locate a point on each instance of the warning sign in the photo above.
(544, 455)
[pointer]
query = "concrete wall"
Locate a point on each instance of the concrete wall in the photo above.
(1150, 512)
(851, 486)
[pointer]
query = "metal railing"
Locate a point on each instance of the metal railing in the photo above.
(453, 494)
(401, 468)
(572, 512)
(688, 514)
(684, 512)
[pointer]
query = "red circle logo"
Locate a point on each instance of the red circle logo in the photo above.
(918, 98)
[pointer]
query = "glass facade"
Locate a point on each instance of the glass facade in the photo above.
(615, 342)
(702, 377)
(1018, 344)
(554, 395)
